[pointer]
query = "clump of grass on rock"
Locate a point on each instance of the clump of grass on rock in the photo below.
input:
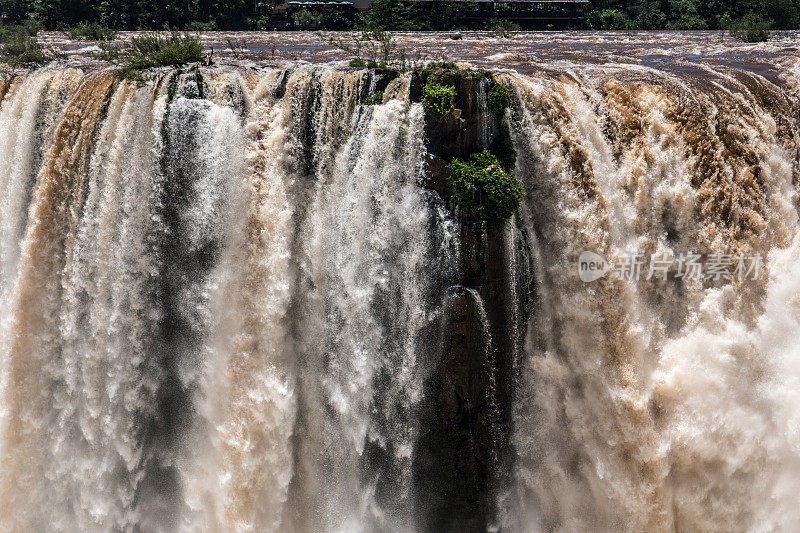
(375, 99)
(151, 50)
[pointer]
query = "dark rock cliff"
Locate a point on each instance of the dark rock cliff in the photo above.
(466, 425)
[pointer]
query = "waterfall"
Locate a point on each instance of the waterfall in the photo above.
(483, 113)
(650, 404)
(369, 248)
(232, 299)
(204, 256)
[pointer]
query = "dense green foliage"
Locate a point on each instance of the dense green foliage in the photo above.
(152, 50)
(438, 99)
(498, 99)
(306, 17)
(598, 15)
(398, 15)
(92, 31)
(691, 14)
(485, 190)
(130, 14)
(19, 48)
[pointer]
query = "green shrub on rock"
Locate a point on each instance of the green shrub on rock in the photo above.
(18, 48)
(92, 31)
(440, 65)
(152, 50)
(438, 99)
(498, 99)
(485, 190)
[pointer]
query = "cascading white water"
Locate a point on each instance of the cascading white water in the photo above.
(108, 312)
(180, 335)
(226, 294)
(240, 458)
(369, 252)
(655, 404)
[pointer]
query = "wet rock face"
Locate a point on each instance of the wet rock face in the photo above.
(456, 134)
(467, 420)
(452, 468)
(383, 77)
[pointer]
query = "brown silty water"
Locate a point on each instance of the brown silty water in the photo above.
(224, 297)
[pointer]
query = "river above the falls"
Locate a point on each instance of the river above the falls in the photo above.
(524, 52)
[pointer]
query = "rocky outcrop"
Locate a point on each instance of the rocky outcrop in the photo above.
(466, 425)
(457, 134)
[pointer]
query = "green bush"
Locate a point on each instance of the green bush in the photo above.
(688, 23)
(375, 99)
(438, 99)
(752, 28)
(785, 13)
(19, 49)
(28, 28)
(153, 50)
(485, 190)
(724, 22)
(397, 15)
(92, 31)
(649, 15)
(357, 63)
(333, 17)
(498, 99)
(685, 15)
(32, 26)
(503, 28)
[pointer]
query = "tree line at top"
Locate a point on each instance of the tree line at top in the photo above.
(393, 14)
(690, 14)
